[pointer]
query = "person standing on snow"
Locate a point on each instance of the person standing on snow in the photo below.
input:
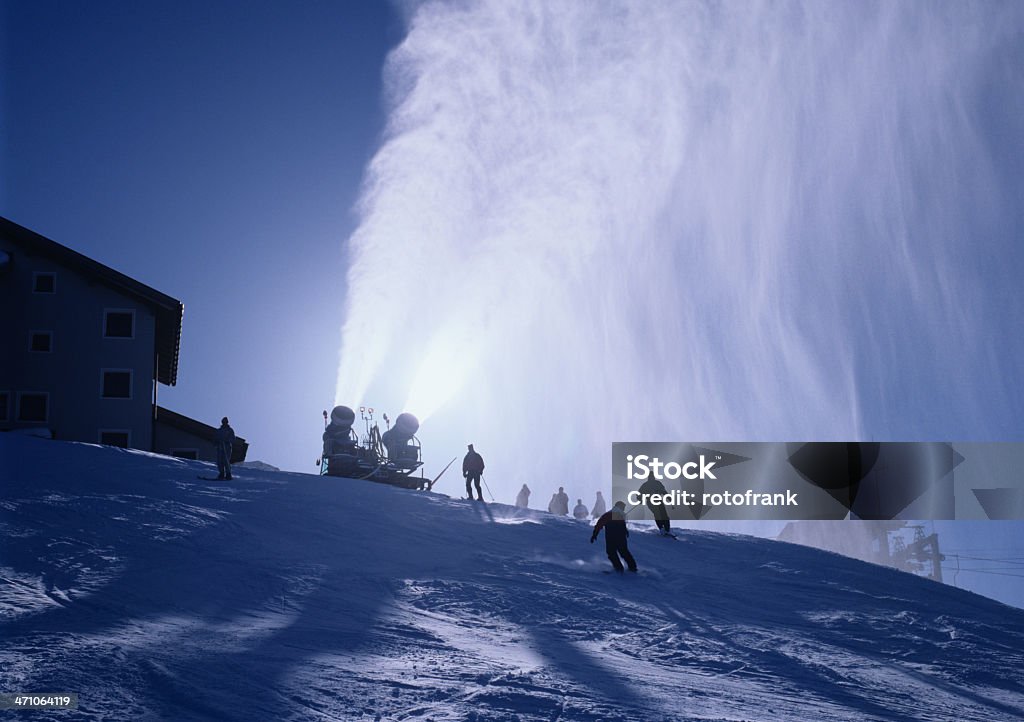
(561, 502)
(615, 536)
(553, 504)
(523, 499)
(651, 487)
(580, 511)
(224, 439)
(472, 468)
(599, 507)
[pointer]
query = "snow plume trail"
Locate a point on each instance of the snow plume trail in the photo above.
(689, 221)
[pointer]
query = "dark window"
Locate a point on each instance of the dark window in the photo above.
(42, 342)
(44, 283)
(5, 400)
(117, 384)
(114, 438)
(119, 324)
(33, 407)
(191, 454)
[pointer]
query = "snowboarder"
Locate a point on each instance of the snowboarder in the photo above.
(580, 511)
(224, 438)
(615, 535)
(653, 486)
(599, 507)
(523, 498)
(472, 468)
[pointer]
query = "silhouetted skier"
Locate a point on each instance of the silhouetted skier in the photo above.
(599, 507)
(580, 511)
(224, 439)
(615, 535)
(523, 498)
(653, 486)
(472, 468)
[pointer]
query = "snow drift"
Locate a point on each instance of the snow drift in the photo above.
(156, 595)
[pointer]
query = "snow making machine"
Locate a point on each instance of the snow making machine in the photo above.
(393, 457)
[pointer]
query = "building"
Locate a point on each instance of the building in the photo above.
(177, 435)
(84, 348)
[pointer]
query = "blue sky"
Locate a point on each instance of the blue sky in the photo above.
(213, 151)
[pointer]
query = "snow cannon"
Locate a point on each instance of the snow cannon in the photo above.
(407, 425)
(388, 458)
(396, 440)
(339, 438)
(343, 416)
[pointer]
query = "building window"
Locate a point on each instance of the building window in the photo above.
(119, 324)
(44, 282)
(117, 384)
(5, 405)
(41, 341)
(33, 407)
(116, 437)
(190, 454)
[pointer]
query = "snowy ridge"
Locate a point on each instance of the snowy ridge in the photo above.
(155, 595)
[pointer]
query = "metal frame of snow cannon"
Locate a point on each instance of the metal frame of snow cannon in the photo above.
(367, 458)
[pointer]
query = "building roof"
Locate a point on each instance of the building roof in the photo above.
(168, 311)
(203, 431)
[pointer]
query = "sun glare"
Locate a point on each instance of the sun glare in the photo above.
(440, 377)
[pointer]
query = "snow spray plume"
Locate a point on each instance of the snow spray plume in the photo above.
(687, 221)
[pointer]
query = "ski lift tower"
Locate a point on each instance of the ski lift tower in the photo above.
(921, 556)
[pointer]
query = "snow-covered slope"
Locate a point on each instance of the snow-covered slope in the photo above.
(157, 595)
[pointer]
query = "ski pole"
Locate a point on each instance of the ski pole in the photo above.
(431, 484)
(487, 487)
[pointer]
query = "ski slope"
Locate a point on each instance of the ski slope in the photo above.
(156, 595)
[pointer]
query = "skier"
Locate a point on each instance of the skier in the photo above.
(599, 507)
(580, 511)
(615, 535)
(472, 468)
(653, 486)
(224, 438)
(561, 501)
(523, 499)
